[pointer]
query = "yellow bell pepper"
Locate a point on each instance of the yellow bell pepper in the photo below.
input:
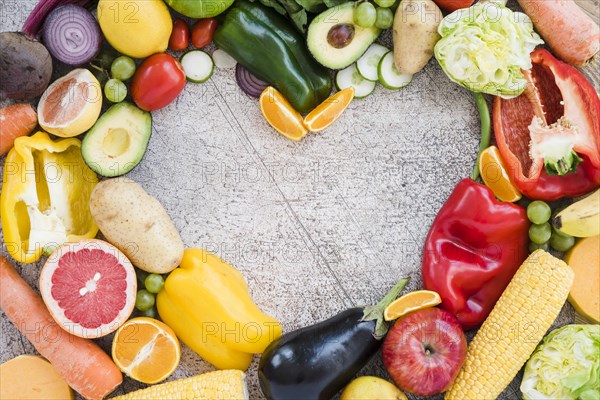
(45, 196)
(207, 303)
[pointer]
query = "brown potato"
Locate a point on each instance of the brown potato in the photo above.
(137, 224)
(415, 34)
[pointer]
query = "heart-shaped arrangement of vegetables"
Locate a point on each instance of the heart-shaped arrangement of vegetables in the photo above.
(491, 261)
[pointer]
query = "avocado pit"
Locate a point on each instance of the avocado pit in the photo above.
(340, 35)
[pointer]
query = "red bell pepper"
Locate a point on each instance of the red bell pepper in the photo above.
(473, 249)
(549, 136)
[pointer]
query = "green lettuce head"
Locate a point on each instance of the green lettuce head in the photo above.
(566, 365)
(484, 47)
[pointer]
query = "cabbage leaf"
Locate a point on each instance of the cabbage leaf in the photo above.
(484, 48)
(566, 365)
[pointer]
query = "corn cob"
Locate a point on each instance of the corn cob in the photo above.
(216, 385)
(519, 320)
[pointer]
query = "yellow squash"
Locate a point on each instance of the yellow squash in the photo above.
(207, 303)
(45, 196)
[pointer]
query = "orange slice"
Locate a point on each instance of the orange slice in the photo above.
(146, 349)
(410, 302)
(71, 105)
(280, 114)
(329, 111)
(496, 176)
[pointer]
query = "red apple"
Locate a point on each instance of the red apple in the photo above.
(424, 351)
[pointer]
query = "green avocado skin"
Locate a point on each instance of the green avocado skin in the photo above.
(199, 8)
(268, 46)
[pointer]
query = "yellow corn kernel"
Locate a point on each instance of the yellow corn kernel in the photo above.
(507, 338)
(216, 385)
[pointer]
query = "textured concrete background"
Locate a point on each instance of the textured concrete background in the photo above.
(317, 226)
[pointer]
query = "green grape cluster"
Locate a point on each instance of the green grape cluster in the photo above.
(367, 15)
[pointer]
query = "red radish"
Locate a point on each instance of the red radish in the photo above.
(572, 34)
(15, 120)
(89, 287)
(82, 364)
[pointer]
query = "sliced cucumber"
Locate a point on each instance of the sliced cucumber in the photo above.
(388, 73)
(223, 60)
(350, 76)
(368, 62)
(198, 66)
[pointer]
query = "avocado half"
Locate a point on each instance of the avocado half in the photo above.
(118, 140)
(335, 40)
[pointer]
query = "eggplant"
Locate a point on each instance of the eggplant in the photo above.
(316, 362)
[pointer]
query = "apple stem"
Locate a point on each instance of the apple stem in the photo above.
(375, 313)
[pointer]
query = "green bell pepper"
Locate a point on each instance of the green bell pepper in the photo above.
(269, 46)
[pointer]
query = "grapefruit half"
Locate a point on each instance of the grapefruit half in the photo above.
(89, 287)
(71, 105)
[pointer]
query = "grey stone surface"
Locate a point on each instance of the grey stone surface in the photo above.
(317, 226)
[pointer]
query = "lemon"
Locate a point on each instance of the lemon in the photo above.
(71, 105)
(372, 388)
(137, 28)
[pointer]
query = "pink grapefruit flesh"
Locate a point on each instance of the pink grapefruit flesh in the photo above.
(89, 287)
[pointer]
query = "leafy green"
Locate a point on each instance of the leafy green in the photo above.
(566, 365)
(313, 6)
(300, 19)
(298, 10)
(484, 48)
(275, 5)
(333, 3)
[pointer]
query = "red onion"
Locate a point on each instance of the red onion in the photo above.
(72, 35)
(35, 20)
(249, 84)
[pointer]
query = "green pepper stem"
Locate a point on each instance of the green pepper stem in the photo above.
(484, 142)
(375, 313)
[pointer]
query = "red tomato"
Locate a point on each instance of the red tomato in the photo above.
(203, 32)
(180, 35)
(158, 81)
(453, 5)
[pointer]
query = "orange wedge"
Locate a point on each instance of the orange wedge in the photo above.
(496, 176)
(329, 111)
(280, 114)
(410, 302)
(146, 349)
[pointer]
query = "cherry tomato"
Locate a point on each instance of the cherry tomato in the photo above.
(203, 32)
(453, 5)
(157, 82)
(180, 35)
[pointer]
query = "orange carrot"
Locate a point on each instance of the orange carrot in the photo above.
(572, 34)
(15, 120)
(85, 367)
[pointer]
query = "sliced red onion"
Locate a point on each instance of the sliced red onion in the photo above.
(36, 19)
(249, 84)
(72, 34)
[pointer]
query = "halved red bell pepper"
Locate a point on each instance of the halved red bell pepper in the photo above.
(473, 249)
(549, 136)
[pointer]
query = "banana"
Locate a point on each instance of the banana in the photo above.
(580, 219)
